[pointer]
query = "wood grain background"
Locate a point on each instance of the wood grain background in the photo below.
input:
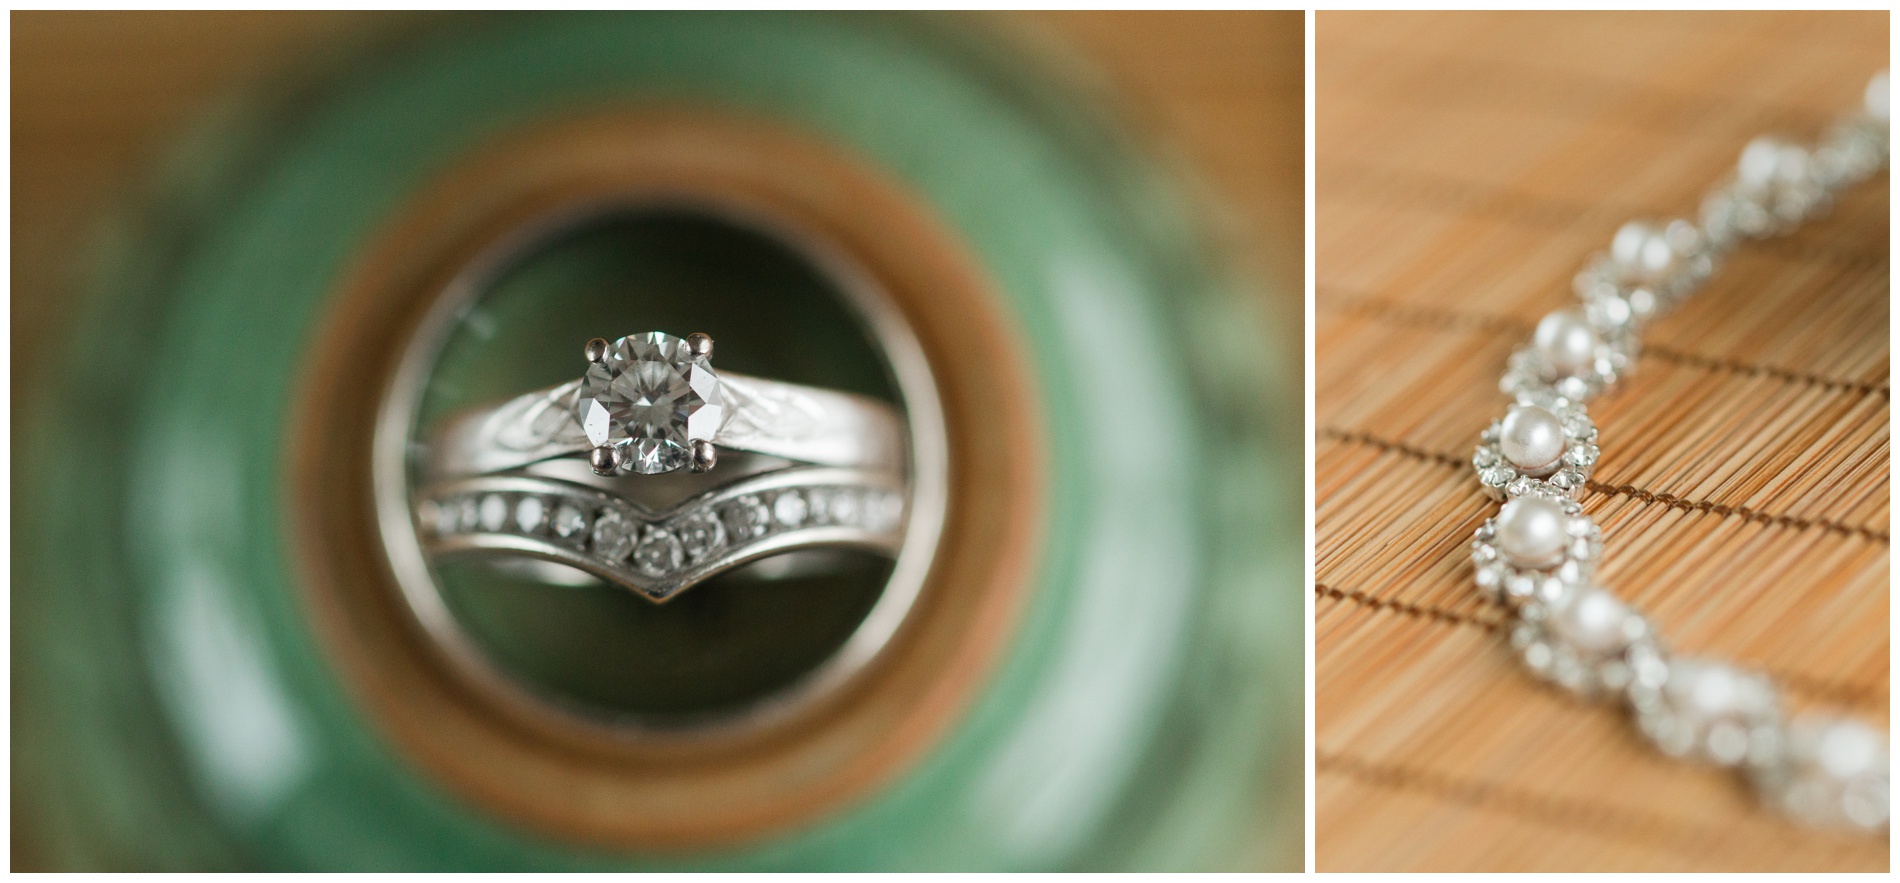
(1467, 164)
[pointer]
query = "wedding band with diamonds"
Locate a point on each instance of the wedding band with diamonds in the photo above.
(659, 553)
(650, 404)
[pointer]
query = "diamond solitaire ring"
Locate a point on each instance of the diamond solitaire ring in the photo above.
(649, 404)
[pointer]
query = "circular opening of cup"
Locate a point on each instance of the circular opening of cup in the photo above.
(742, 638)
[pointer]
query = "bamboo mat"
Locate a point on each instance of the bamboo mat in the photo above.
(1467, 164)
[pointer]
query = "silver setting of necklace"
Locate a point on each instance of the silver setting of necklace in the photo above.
(1538, 555)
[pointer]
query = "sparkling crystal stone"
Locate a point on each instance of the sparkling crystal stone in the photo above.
(1832, 773)
(444, 518)
(494, 512)
(613, 536)
(881, 511)
(1710, 709)
(1522, 586)
(651, 399)
(659, 553)
(569, 521)
(789, 509)
(818, 506)
(1642, 303)
(844, 507)
(1768, 161)
(746, 518)
(468, 514)
(702, 534)
(530, 514)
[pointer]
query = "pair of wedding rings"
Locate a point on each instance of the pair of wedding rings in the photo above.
(502, 480)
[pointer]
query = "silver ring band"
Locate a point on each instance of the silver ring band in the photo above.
(659, 553)
(798, 423)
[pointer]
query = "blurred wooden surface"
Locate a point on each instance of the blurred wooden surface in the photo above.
(1467, 164)
(97, 98)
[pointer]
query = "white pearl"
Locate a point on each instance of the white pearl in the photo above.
(1592, 621)
(1567, 342)
(1768, 161)
(1707, 691)
(1877, 96)
(1627, 246)
(1849, 748)
(1715, 692)
(1530, 532)
(1643, 251)
(1532, 438)
(1756, 169)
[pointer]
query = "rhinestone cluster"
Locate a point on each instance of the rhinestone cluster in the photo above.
(620, 536)
(1504, 477)
(1505, 573)
(1538, 556)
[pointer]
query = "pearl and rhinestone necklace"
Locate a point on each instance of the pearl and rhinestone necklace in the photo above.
(1538, 555)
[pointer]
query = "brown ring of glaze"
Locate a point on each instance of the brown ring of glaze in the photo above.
(630, 794)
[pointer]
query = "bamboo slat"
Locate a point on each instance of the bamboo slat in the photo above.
(1467, 164)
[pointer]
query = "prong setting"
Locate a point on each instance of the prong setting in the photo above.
(699, 344)
(596, 351)
(604, 461)
(705, 455)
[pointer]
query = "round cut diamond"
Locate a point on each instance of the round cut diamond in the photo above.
(747, 517)
(789, 509)
(494, 512)
(613, 536)
(446, 518)
(844, 507)
(569, 521)
(650, 399)
(468, 513)
(819, 500)
(530, 513)
(882, 511)
(659, 553)
(701, 534)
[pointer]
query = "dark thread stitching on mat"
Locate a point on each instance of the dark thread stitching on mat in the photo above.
(1623, 490)
(1417, 611)
(1675, 502)
(1373, 441)
(1400, 314)
(1753, 370)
